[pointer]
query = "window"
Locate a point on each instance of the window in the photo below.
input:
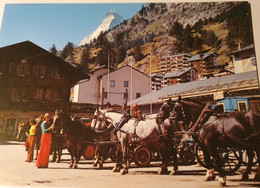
(112, 83)
(12, 67)
(125, 83)
(39, 70)
(48, 95)
(10, 128)
(138, 95)
(38, 94)
(242, 106)
(23, 69)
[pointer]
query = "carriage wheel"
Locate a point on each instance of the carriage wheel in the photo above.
(143, 156)
(231, 158)
(186, 154)
(245, 158)
(89, 152)
(199, 156)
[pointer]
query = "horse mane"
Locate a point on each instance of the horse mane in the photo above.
(193, 103)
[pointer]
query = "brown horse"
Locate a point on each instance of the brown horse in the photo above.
(76, 135)
(238, 129)
(23, 131)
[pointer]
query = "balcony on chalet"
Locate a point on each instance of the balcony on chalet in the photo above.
(27, 104)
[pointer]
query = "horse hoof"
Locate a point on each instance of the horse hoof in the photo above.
(210, 175)
(124, 172)
(71, 166)
(213, 177)
(161, 171)
(207, 178)
(100, 165)
(75, 166)
(222, 181)
(94, 165)
(172, 173)
(118, 169)
(114, 169)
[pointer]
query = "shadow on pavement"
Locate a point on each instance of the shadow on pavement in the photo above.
(11, 143)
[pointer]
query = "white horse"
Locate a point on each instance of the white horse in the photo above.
(143, 132)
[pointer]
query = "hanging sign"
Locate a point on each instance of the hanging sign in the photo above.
(218, 95)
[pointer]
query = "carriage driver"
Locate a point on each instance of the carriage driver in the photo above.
(136, 113)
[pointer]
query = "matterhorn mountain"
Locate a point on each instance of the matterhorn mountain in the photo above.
(112, 19)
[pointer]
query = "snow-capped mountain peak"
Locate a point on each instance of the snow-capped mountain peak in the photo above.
(112, 19)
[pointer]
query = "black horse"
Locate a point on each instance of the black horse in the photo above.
(57, 141)
(237, 129)
(76, 135)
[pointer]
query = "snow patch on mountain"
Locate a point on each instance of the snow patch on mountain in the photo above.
(112, 19)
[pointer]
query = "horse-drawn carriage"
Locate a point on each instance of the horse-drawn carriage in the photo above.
(222, 138)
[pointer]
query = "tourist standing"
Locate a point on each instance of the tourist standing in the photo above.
(46, 127)
(31, 140)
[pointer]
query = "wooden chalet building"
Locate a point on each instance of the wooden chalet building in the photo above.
(32, 81)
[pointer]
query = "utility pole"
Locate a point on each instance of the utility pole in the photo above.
(108, 78)
(151, 105)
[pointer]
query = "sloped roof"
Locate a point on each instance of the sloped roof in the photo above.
(26, 51)
(197, 57)
(128, 67)
(177, 73)
(251, 46)
(101, 67)
(243, 80)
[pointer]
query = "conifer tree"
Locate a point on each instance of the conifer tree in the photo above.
(176, 30)
(67, 51)
(137, 53)
(53, 49)
(85, 58)
(187, 38)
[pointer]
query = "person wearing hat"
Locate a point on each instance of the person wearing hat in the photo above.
(46, 127)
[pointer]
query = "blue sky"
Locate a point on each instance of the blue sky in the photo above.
(48, 24)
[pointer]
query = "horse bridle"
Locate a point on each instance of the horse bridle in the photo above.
(104, 120)
(183, 115)
(164, 116)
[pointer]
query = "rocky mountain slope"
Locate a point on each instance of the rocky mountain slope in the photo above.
(150, 30)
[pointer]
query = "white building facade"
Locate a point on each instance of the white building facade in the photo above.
(123, 85)
(244, 59)
(88, 91)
